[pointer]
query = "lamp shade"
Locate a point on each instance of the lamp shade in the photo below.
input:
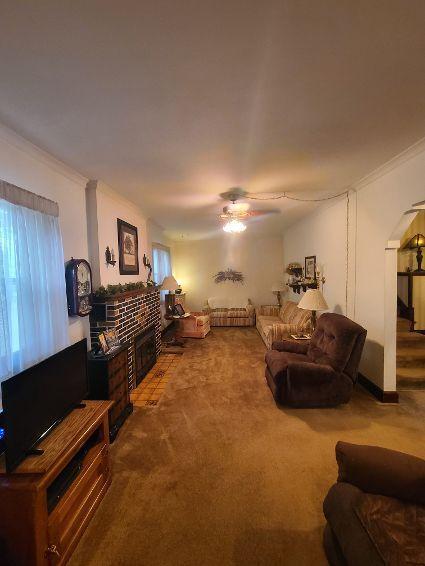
(418, 241)
(169, 284)
(313, 300)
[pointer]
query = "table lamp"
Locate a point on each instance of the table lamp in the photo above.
(313, 301)
(169, 284)
(277, 290)
(416, 243)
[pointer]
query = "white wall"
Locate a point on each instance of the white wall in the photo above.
(375, 212)
(26, 166)
(157, 235)
(111, 206)
(258, 258)
(322, 234)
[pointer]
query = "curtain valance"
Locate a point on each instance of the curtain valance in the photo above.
(21, 197)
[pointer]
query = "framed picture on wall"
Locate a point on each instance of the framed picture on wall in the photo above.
(103, 343)
(111, 339)
(310, 267)
(128, 248)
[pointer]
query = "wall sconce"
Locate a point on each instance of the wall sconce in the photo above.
(110, 256)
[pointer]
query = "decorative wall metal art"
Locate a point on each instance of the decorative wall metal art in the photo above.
(229, 275)
(110, 257)
(147, 264)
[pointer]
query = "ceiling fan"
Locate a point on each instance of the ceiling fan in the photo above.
(236, 211)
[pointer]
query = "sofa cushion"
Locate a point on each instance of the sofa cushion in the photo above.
(287, 310)
(396, 528)
(277, 363)
(223, 303)
(230, 313)
(291, 314)
(301, 318)
(266, 322)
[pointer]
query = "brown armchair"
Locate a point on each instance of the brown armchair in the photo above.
(376, 511)
(320, 373)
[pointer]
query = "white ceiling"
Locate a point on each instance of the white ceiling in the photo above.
(173, 102)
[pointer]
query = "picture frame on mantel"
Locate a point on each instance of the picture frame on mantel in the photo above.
(128, 248)
(310, 267)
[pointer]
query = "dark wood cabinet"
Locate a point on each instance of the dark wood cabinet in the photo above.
(108, 380)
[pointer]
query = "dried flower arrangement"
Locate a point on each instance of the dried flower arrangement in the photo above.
(229, 275)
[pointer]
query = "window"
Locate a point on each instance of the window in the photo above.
(33, 310)
(161, 264)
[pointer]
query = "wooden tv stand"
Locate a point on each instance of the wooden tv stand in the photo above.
(35, 527)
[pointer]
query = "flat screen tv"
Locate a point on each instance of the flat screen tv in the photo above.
(38, 398)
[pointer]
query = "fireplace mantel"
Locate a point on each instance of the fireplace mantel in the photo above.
(125, 294)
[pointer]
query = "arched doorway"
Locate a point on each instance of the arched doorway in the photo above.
(391, 270)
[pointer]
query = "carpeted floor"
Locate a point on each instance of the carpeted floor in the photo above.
(216, 474)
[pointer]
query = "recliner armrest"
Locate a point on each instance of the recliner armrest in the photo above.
(382, 471)
(290, 346)
(305, 372)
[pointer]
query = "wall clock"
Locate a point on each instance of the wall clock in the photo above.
(78, 287)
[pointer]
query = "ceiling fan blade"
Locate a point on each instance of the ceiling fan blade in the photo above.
(233, 194)
(263, 212)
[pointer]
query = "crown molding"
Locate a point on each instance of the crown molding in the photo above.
(419, 205)
(355, 187)
(112, 193)
(13, 139)
(388, 166)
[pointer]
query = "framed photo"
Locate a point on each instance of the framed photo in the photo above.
(128, 247)
(103, 343)
(310, 267)
(111, 339)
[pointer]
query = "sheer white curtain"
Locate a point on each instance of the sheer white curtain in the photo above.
(161, 264)
(33, 309)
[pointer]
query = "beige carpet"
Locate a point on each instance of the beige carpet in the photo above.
(216, 474)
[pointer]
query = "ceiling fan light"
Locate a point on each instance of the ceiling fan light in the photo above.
(237, 208)
(234, 226)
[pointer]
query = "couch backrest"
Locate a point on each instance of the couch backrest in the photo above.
(338, 342)
(223, 303)
(291, 314)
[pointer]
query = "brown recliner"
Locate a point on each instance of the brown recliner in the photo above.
(320, 373)
(376, 511)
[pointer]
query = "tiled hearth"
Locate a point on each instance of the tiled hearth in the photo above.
(149, 392)
(130, 314)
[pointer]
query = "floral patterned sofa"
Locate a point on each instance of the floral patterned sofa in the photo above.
(228, 312)
(277, 323)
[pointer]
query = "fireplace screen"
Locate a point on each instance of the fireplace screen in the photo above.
(145, 353)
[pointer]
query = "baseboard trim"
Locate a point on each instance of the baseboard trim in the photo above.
(376, 391)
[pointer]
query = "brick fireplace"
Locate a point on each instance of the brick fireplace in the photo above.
(136, 317)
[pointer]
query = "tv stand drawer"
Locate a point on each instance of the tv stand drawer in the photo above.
(74, 510)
